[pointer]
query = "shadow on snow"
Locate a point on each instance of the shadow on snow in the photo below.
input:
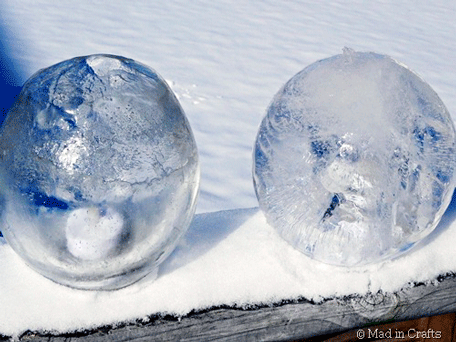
(205, 232)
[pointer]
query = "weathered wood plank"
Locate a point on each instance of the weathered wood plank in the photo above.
(280, 322)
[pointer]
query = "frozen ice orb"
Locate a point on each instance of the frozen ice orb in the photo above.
(354, 161)
(99, 172)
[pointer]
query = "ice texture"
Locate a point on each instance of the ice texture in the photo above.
(354, 161)
(99, 172)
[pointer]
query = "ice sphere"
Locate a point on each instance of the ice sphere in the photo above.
(354, 161)
(99, 172)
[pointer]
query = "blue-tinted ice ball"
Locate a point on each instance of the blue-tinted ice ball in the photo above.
(99, 172)
(354, 161)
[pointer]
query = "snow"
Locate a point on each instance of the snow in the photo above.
(224, 60)
(230, 257)
(91, 236)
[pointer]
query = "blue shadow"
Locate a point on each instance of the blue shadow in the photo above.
(205, 232)
(10, 74)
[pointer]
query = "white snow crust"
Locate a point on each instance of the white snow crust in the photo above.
(230, 257)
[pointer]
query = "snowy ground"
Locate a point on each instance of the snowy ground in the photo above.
(231, 257)
(225, 60)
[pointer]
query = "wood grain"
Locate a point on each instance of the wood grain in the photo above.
(285, 321)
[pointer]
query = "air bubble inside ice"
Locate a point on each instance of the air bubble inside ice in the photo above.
(99, 172)
(354, 161)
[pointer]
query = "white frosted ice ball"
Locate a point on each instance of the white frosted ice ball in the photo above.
(354, 161)
(99, 172)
